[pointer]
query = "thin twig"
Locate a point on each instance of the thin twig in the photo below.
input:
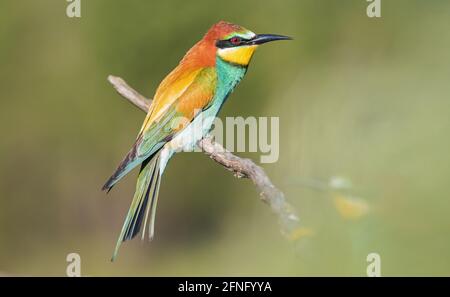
(129, 93)
(242, 168)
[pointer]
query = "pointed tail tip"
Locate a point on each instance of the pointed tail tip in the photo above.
(114, 256)
(107, 187)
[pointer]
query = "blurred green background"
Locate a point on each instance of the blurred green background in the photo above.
(361, 98)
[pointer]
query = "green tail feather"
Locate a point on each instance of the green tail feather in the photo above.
(143, 203)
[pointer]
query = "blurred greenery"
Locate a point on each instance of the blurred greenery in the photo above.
(366, 99)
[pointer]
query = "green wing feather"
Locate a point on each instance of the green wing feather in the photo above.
(152, 139)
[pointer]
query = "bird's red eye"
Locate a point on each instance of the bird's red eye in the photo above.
(235, 40)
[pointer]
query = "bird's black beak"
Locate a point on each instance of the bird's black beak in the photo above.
(263, 38)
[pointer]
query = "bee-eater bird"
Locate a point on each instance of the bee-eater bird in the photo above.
(199, 85)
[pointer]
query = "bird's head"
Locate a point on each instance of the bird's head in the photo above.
(232, 43)
(235, 44)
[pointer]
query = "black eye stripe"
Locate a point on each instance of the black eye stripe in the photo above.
(231, 42)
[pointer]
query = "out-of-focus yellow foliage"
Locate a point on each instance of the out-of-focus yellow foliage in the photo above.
(350, 208)
(299, 233)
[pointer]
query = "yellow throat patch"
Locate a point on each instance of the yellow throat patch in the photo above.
(238, 55)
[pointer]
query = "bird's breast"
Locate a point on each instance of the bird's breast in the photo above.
(228, 77)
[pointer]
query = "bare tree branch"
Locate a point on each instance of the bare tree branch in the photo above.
(239, 166)
(129, 93)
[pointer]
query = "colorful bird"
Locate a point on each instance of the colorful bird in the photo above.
(182, 113)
